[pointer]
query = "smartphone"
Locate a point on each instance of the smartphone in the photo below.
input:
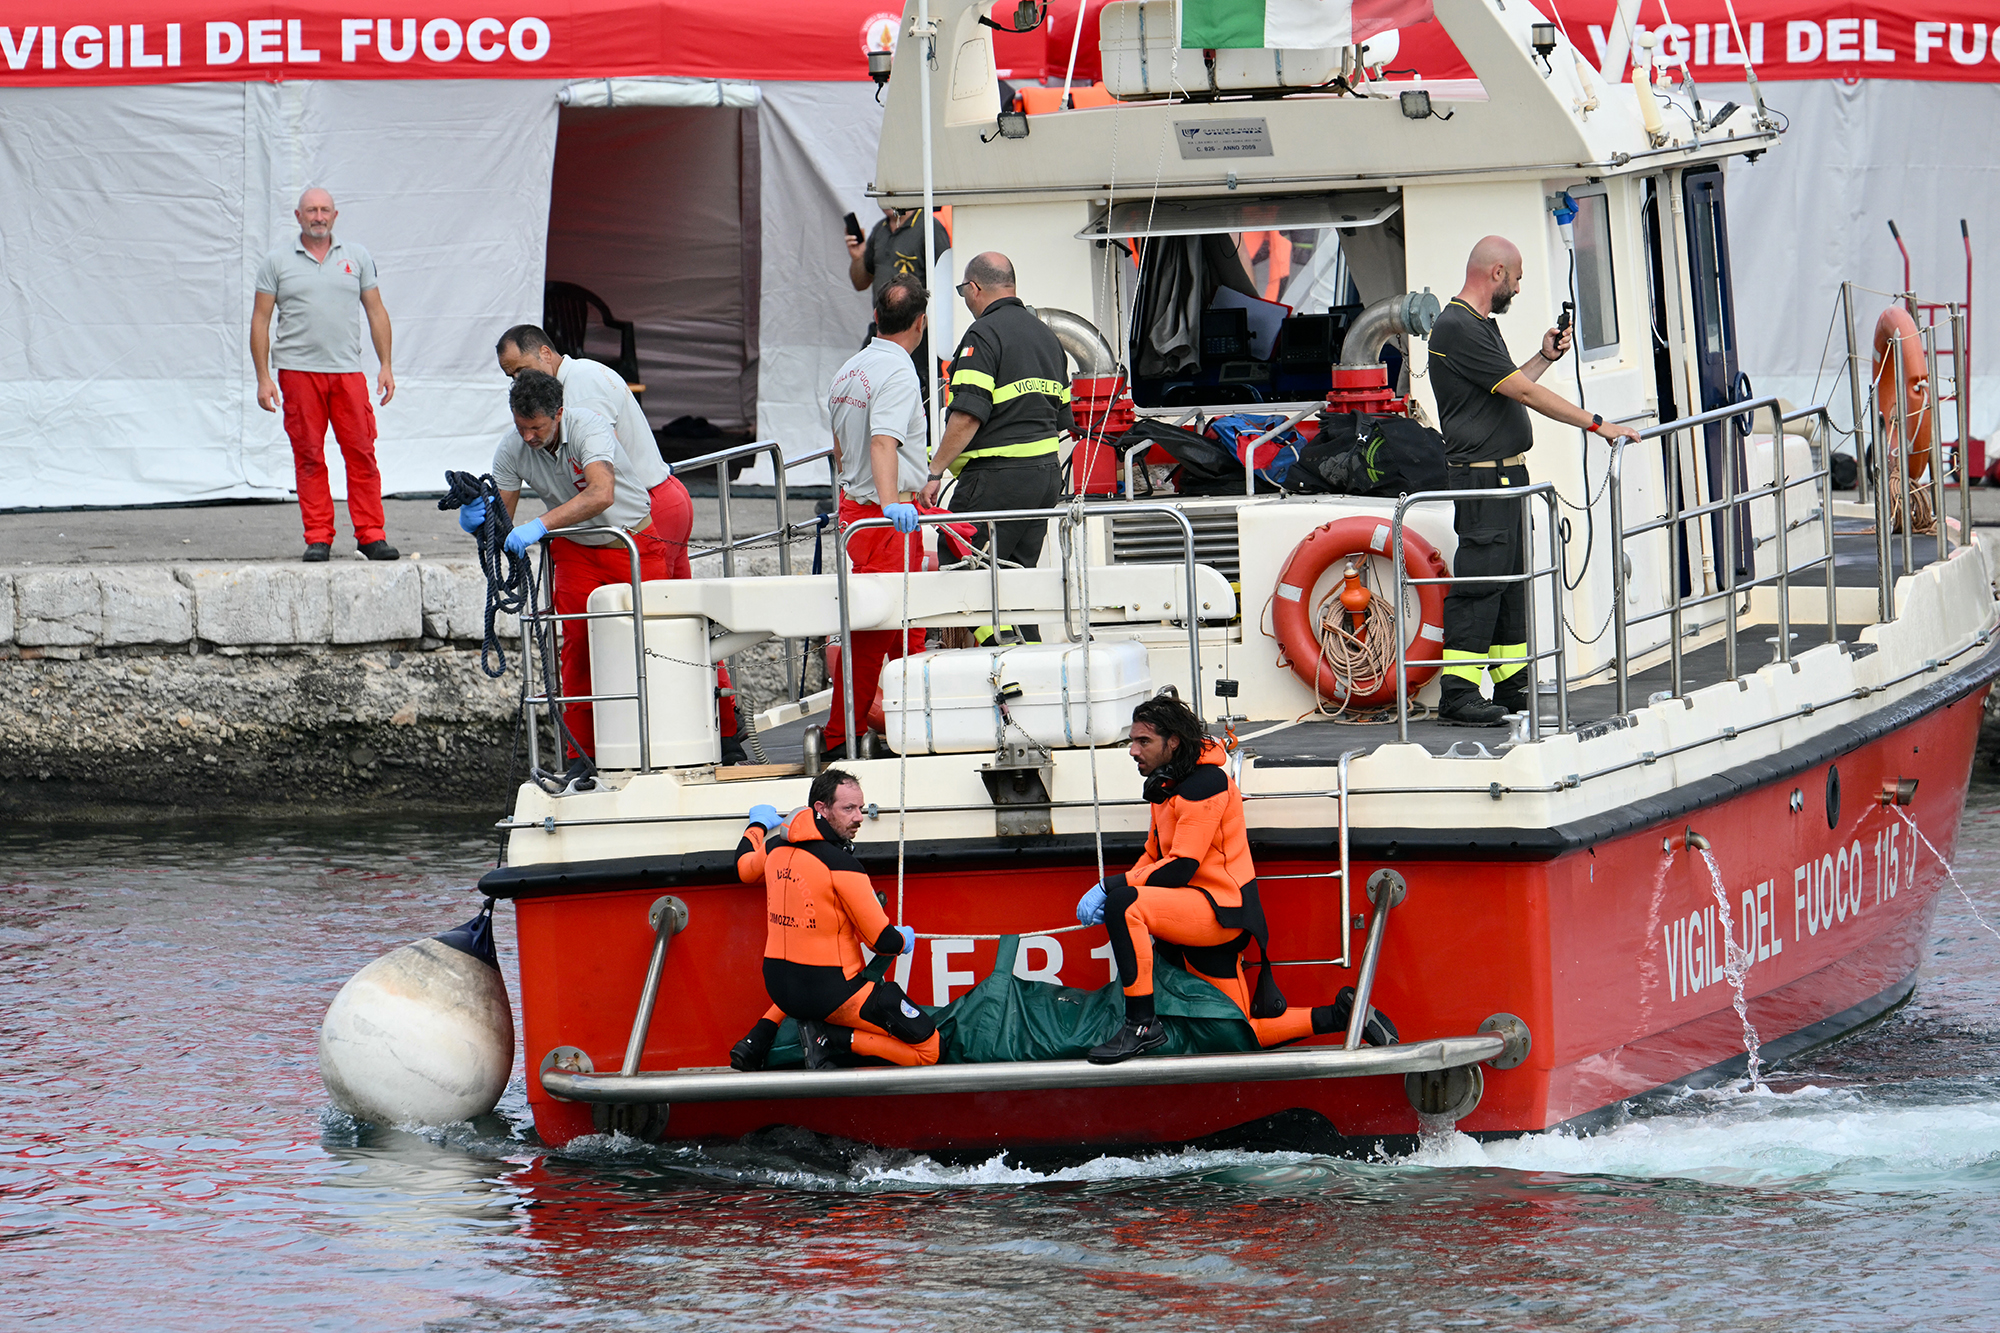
(1564, 320)
(853, 225)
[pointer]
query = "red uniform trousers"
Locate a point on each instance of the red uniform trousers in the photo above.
(673, 521)
(872, 551)
(312, 399)
(579, 571)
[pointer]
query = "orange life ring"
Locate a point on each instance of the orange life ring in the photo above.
(1292, 618)
(1895, 325)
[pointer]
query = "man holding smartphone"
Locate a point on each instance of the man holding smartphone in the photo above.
(895, 249)
(1483, 400)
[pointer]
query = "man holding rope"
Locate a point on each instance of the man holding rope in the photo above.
(573, 463)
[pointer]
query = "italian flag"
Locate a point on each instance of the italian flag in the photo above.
(1312, 25)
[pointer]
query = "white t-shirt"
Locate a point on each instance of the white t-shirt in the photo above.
(598, 388)
(876, 393)
(556, 475)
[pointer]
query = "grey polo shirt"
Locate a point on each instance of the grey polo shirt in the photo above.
(556, 475)
(319, 305)
(598, 388)
(876, 393)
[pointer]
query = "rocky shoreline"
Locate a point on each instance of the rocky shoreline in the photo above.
(182, 691)
(315, 731)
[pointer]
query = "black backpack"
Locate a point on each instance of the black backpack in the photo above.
(1383, 456)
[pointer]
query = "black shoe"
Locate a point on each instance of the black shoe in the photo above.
(1512, 697)
(318, 553)
(733, 752)
(1462, 706)
(1377, 1031)
(755, 1048)
(1132, 1039)
(380, 550)
(825, 1047)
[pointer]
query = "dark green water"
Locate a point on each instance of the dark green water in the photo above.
(168, 1161)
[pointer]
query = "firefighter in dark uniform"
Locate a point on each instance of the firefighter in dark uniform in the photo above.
(1009, 401)
(1483, 400)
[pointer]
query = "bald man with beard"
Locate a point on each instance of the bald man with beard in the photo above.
(1483, 400)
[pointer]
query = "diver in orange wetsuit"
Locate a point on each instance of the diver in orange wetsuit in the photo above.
(1195, 888)
(820, 909)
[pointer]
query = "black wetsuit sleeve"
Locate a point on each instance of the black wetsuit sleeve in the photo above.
(1175, 874)
(890, 941)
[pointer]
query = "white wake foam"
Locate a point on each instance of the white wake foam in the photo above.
(1810, 1137)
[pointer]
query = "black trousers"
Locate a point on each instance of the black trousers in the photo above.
(1479, 617)
(1011, 483)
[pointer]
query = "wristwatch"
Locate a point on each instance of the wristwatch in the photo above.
(1596, 421)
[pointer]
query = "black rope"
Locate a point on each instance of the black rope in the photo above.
(511, 589)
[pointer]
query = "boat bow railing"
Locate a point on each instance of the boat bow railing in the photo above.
(1076, 516)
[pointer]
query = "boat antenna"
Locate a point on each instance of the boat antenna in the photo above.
(1764, 119)
(924, 28)
(1075, 40)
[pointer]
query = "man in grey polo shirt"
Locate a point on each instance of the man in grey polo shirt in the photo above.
(572, 461)
(881, 448)
(316, 285)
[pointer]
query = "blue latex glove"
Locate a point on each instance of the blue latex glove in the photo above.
(909, 939)
(1090, 907)
(521, 538)
(904, 516)
(472, 515)
(767, 815)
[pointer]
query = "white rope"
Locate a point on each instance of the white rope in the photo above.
(1369, 656)
(1080, 534)
(903, 749)
(1059, 930)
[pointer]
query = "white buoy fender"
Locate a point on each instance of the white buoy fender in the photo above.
(423, 1035)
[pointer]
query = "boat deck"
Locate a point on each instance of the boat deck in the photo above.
(1321, 741)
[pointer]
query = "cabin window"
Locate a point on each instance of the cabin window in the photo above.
(1596, 292)
(1704, 205)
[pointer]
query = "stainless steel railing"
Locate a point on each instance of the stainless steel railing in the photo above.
(1730, 589)
(783, 533)
(992, 518)
(1544, 491)
(532, 617)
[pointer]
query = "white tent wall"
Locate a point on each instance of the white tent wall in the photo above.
(818, 144)
(136, 218)
(1814, 213)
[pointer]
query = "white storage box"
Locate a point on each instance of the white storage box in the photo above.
(680, 686)
(1140, 42)
(951, 707)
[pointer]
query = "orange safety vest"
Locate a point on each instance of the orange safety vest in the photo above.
(819, 903)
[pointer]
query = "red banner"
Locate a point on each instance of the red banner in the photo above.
(1847, 42)
(146, 41)
(113, 43)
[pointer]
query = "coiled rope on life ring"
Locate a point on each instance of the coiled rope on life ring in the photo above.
(1344, 651)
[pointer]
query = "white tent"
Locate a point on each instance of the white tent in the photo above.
(134, 211)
